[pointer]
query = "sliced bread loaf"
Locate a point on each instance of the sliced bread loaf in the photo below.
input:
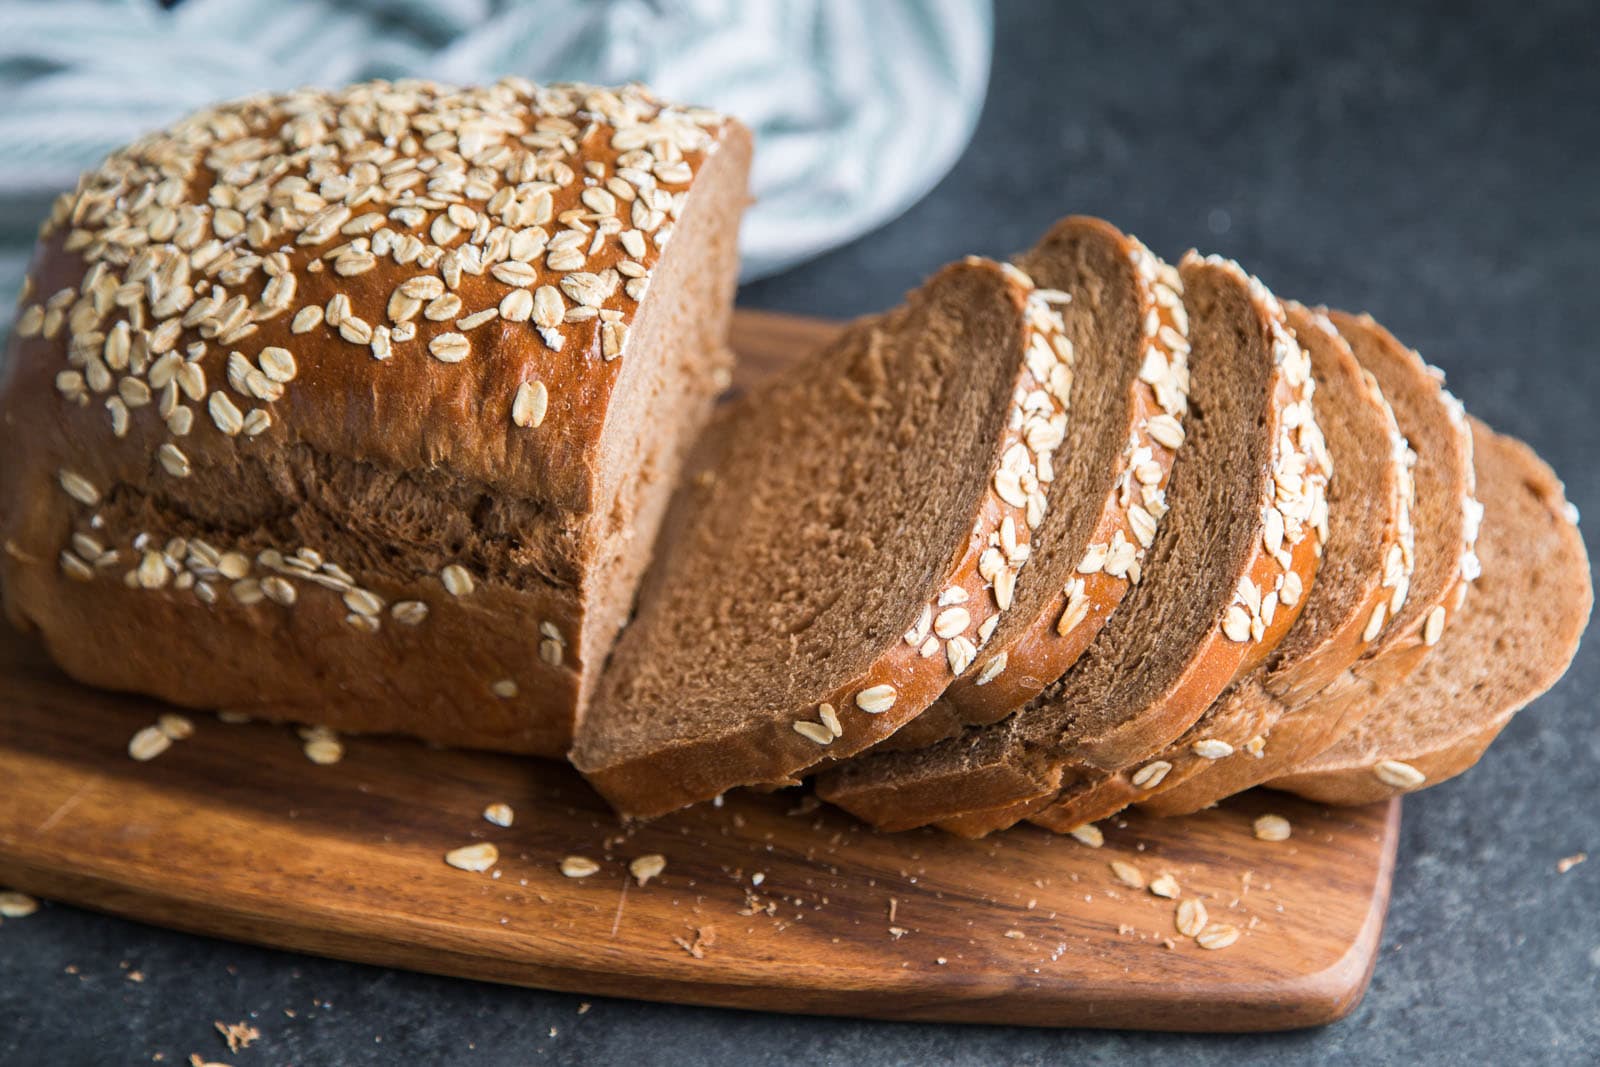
(362, 407)
(1366, 561)
(1221, 583)
(1130, 382)
(827, 579)
(1512, 639)
(1445, 513)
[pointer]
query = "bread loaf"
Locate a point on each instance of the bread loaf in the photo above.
(836, 560)
(1366, 564)
(362, 407)
(1446, 523)
(1232, 549)
(1514, 636)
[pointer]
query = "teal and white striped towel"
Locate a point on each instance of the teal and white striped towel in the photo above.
(858, 107)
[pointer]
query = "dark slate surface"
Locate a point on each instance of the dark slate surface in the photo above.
(1435, 166)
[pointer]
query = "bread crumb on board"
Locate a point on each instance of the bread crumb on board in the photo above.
(1566, 863)
(238, 1035)
(704, 938)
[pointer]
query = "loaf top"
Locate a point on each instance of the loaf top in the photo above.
(407, 274)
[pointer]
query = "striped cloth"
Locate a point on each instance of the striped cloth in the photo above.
(858, 107)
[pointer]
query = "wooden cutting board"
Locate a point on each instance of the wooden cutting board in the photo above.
(766, 902)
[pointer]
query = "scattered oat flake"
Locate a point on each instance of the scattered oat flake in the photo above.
(500, 814)
(148, 743)
(238, 1035)
(1190, 917)
(1015, 935)
(479, 857)
(324, 751)
(1127, 874)
(583, 1008)
(1563, 865)
(1089, 834)
(1273, 828)
(647, 867)
(578, 866)
(1164, 885)
(1217, 935)
(14, 905)
(178, 727)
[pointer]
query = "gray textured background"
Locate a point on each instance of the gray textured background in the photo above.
(1432, 163)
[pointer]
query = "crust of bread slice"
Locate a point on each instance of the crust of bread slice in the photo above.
(1102, 713)
(1446, 513)
(898, 452)
(1513, 639)
(1366, 565)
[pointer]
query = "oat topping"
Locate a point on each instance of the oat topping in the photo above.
(1398, 775)
(957, 622)
(555, 201)
(1301, 468)
(1141, 478)
(813, 731)
(1151, 774)
(876, 699)
(500, 814)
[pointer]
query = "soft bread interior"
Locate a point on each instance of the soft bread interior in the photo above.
(833, 503)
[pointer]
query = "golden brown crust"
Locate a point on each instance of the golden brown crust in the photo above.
(1442, 718)
(238, 327)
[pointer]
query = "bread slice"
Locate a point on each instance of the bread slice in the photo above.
(1231, 551)
(370, 400)
(828, 574)
(1128, 329)
(1512, 640)
(1445, 516)
(1365, 566)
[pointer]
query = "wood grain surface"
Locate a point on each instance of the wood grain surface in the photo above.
(767, 901)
